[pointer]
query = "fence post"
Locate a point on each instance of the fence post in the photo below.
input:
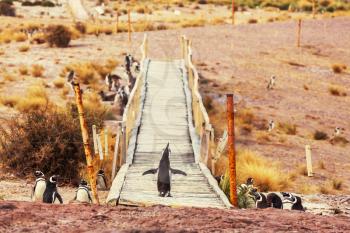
(299, 33)
(233, 12)
(129, 26)
(94, 138)
(117, 25)
(123, 158)
(115, 154)
(85, 135)
(106, 142)
(231, 149)
(99, 144)
(313, 9)
(308, 160)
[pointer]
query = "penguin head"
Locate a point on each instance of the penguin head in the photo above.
(53, 179)
(250, 181)
(83, 183)
(39, 174)
(100, 172)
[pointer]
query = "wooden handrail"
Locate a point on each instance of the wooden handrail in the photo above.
(200, 115)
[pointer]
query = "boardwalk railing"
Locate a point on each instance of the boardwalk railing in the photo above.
(201, 122)
(127, 129)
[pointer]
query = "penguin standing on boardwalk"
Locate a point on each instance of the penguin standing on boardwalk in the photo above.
(39, 186)
(83, 193)
(51, 192)
(164, 173)
(101, 180)
(294, 200)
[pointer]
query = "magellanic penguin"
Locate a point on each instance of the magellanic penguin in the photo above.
(51, 192)
(101, 180)
(83, 193)
(260, 200)
(164, 173)
(39, 186)
(295, 201)
(274, 201)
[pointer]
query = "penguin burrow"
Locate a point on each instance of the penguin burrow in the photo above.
(164, 173)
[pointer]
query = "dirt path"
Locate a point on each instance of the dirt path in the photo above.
(24, 217)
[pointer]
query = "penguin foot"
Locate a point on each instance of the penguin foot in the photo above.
(169, 195)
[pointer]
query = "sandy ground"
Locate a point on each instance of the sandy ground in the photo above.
(27, 217)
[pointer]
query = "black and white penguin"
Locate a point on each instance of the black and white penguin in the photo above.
(271, 83)
(101, 180)
(123, 96)
(274, 201)
(107, 96)
(39, 186)
(164, 173)
(128, 62)
(271, 125)
(83, 193)
(260, 200)
(51, 192)
(295, 201)
(113, 82)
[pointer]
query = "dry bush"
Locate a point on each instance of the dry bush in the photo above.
(9, 77)
(47, 139)
(319, 135)
(337, 184)
(24, 48)
(59, 36)
(338, 68)
(7, 9)
(81, 27)
(252, 21)
(308, 189)
(321, 165)
(337, 90)
(37, 70)
(339, 140)
(288, 128)
(143, 26)
(302, 170)
(198, 22)
(2, 52)
(20, 37)
(38, 38)
(36, 98)
(266, 174)
(263, 136)
(9, 100)
(59, 82)
(23, 70)
(245, 116)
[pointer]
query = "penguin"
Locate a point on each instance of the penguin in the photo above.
(70, 78)
(128, 62)
(274, 201)
(83, 193)
(101, 180)
(164, 173)
(294, 200)
(260, 200)
(113, 82)
(271, 125)
(271, 83)
(107, 96)
(39, 186)
(51, 192)
(123, 96)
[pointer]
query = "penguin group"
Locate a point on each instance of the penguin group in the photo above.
(164, 172)
(46, 190)
(278, 200)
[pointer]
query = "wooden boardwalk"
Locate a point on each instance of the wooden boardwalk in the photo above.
(165, 119)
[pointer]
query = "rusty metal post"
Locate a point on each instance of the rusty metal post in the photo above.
(115, 155)
(231, 149)
(85, 135)
(117, 25)
(299, 33)
(129, 26)
(233, 12)
(313, 9)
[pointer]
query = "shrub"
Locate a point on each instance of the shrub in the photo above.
(58, 36)
(337, 184)
(46, 139)
(319, 135)
(47, 4)
(20, 37)
(339, 140)
(9, 100)
(245, 116)
(35, 98)
(81, 27)
(59, 83)
(266, 174)
(23, 70)
(338, 68)
(252, 21)
(288, 128)
(6, 9)
(37, 70)
(337, 90)
(202, 2)
(23, 48)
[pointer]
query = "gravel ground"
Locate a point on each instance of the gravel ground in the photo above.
(28, 217)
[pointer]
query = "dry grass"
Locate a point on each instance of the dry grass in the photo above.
(59, 82)
(23, 70)
(9, 77)
(337, 184)
(321, 165)
(319, 135)
(337, 90)
(2, 52)
(308, 189)
(20, 37)
(37, 70)
(339, 140)
(262, 136)
(245, 116)
(339, 68)
(35, 98)
(24, 48)
(9, 100)
(288, 128)
(267, 175)
(302, 170)
(252, 21)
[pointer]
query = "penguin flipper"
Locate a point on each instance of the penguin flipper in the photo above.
(59, 197)
(151, 171)
(175, 171)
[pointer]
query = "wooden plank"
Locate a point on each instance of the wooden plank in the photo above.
(116, 188)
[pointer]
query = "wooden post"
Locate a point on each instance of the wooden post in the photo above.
(313, 9)
(231, 150)
(233, 12)
(100, 150)
(129, 26)
(123, 158)
(115, 155)
(106, 142)
(308, 160)
(85, 135)
(117, 25)
(94, 138)
(299, 33)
